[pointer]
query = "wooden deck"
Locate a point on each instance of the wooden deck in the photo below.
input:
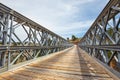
(71, 64)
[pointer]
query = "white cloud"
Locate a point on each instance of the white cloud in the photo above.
(59, 16)
(76, 28)
(82, 25)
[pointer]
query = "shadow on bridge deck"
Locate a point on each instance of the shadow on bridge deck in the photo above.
(70, 64)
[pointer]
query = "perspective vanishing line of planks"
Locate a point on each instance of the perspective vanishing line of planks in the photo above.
(70, 64)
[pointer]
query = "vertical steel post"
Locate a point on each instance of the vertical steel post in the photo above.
(4, 39)
(9, 43)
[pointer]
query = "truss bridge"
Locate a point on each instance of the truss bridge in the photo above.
(29, 51)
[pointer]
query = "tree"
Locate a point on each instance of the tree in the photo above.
(74, 38)
(67, 39)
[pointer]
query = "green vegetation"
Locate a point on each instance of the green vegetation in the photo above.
(74, 39)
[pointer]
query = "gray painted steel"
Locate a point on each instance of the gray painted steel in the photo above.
(22, 39)
(102, 40)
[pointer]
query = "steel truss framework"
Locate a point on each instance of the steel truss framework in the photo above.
(102, 40)
(22, 40)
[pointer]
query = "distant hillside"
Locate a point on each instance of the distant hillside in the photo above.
(74, 39)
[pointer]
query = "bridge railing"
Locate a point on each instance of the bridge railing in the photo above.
(21, 39)
(102, 40)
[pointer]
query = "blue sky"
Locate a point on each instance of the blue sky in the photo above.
(64, 17)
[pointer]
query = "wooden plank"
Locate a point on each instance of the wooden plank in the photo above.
(68, 65)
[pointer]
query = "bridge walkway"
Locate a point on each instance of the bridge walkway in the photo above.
(70, 64)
